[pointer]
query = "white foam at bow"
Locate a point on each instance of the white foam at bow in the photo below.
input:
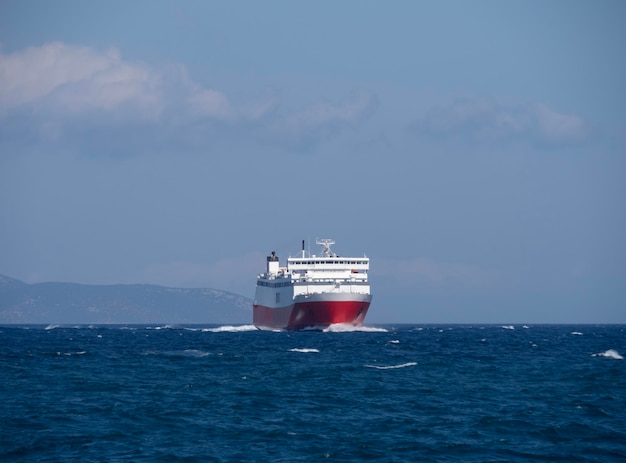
(611, 353)
(305, 350)
(348, 328)
(231, 329)
(390, 367)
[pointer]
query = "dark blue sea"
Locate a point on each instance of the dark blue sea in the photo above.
(479, 393)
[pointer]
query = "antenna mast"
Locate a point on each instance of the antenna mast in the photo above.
(325, 243)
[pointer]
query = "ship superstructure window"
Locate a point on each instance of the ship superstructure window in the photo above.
(332, 262)
(274, 284)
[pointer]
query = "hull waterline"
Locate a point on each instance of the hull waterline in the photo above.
(312, 314)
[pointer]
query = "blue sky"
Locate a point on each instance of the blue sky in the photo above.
(475, 151)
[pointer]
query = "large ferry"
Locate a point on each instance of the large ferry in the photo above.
(312, 292)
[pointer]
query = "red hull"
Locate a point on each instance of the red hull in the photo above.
(310, 314)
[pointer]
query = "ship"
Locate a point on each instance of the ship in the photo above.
(312, 292)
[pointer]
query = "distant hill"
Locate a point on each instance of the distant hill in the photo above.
(71, 303)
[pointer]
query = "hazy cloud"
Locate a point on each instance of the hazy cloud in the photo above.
(555, 127)
(210, 103)
(322, 120)
(487, 121)
(57, 90)
(224, 274)
(432, 272)
(325, 114)
(75, 78)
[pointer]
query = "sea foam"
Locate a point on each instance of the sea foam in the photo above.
(231, 329)
(611, 353)
(348, 328)
(391, 367)
(303, 350)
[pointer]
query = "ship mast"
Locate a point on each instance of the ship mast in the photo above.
(325, 243)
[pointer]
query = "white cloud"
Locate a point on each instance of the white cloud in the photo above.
(487, 121)
(210, 103)
(61, 93)
(75, 78)
(326, 113)
(557, 127)
(321, 120)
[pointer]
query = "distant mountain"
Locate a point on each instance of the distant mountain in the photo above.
(71, 303)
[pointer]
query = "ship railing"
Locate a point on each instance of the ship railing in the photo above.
(356, 289)
(328, 280)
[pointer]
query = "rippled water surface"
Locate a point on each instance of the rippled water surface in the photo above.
(388, 393)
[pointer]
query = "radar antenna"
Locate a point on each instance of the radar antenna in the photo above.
(325, 243)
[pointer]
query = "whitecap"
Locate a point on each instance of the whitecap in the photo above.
(611, 353)
(348, 328)
(394, 341)
(195, 353)
(304, 350)
(391, 367)
(577, 333)
(508, 327)
(51, 327)
(231, 329)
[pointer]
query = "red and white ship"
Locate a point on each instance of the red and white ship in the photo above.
(312, 292)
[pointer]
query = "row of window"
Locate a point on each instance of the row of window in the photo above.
(302, 283)
(284, 284)
(335, 262)
(271, 284)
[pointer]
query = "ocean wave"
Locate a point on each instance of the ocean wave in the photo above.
(304, 350)
(69, 354)
(348, 328)
(508, 327)
(611, 353)
(392, 367)
(231, 329)
(194, 353)
(168, 387)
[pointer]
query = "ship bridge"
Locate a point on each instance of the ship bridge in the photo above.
(329, 272)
